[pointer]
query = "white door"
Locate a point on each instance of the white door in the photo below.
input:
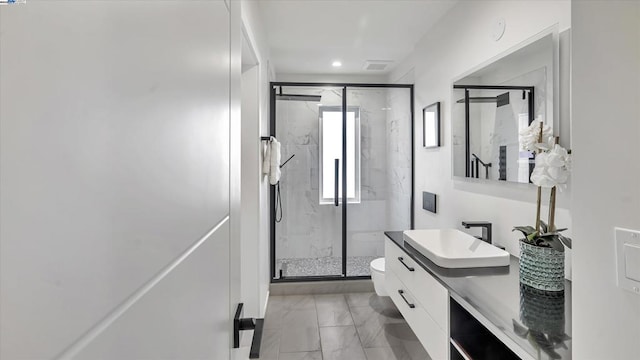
(114, 180)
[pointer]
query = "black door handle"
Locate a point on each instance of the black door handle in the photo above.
(241, 324)
(405, 265)
(411, 306)
(335, 196)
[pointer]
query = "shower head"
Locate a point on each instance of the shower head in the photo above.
(479, 99)
(500, 100)
(295, 97)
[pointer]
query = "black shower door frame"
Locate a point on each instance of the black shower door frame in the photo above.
(272, 191)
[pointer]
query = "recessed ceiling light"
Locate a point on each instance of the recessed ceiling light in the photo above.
(336, 63)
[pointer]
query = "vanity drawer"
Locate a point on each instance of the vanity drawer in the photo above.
(432, 337)
(427, 290)
(432, 295)
(398, 261)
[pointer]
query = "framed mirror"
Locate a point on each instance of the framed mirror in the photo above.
(495, 102)
(431, 126)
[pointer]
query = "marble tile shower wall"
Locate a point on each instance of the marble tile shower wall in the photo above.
(399, 174)
(311, 230)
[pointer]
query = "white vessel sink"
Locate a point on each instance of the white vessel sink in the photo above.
(451, 248)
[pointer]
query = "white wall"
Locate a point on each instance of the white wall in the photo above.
(235, 160)
(606, 185)
(458, 43)
(255, 188)
(114, 160)
(250, 229)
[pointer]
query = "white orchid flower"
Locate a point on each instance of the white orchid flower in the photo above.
(559, 157)
(529, 137)
(552, 168)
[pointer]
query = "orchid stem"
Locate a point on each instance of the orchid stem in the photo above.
(552, 210)
(538, 209)
(539, 188)
(552, 203)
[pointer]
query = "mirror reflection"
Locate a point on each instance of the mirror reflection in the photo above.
(494, 104)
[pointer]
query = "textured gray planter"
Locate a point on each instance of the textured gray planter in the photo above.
(541, 267)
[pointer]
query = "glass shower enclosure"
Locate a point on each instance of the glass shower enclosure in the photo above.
(325, 224)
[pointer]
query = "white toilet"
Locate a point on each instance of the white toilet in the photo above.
(377, 275)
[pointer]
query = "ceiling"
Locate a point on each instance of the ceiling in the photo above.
(306, 36)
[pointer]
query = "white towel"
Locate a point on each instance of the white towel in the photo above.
(274, 171)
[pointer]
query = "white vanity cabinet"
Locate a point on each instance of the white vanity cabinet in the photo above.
(421, 299)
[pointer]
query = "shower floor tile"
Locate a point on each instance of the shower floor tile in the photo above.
(356, 266)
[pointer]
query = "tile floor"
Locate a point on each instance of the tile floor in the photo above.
(355, 326)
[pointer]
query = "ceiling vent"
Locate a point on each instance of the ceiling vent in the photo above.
(376, 65)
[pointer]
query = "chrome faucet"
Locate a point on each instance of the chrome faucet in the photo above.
(486, 229)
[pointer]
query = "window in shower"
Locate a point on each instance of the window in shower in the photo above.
(330, 158)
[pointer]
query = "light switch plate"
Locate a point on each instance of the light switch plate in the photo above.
(628, 259)
(632, 262)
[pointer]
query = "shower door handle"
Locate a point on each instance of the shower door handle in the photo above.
(336, 192)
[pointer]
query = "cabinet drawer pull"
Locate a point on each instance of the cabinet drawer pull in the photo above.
(411, 306)
(405, 265)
